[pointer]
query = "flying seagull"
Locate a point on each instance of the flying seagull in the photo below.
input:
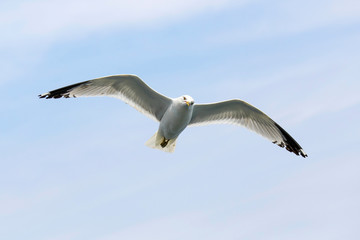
(175, 114)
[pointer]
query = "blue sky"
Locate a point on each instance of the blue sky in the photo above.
(78, 168)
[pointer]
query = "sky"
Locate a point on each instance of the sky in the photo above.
(78, 168)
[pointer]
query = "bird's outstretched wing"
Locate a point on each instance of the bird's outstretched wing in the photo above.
(129, 88)
(242, 113)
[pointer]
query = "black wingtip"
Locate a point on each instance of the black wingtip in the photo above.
(290, 144)
(61, 92)
(43, 95)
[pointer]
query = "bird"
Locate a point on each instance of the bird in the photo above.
(175, 114)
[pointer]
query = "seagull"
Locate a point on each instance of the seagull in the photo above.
(175, 114)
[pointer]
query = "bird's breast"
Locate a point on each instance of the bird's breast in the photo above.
(175, 120)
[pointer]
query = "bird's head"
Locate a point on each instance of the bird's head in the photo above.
(189, 101)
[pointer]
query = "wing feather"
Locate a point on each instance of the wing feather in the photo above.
(241, 113)
(129, 88)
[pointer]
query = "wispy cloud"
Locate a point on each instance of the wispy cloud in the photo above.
(283, 18)
(346, 9)
(13, 203)
(298, 91)
(29, 28)
(49, 19)
(294, 209)
(191, 225)
(327, 88)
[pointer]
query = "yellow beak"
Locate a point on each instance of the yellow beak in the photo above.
(188, 103)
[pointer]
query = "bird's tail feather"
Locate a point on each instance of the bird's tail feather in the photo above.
(156, 140)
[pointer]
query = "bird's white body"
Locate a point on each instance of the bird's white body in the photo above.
(175, 114)
(175, 119)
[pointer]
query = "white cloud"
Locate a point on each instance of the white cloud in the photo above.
(29, 28)
(318, 202)
(316, 86)
(324, 82)
(283, 18)
(39, 19)
(191, 225)
(349, 9)
(327, 85)
(11, 203)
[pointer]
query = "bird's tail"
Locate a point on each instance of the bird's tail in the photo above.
(157, 142)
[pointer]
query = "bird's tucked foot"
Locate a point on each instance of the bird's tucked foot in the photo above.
(164, 142)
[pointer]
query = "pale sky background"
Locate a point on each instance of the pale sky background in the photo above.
(78, 168)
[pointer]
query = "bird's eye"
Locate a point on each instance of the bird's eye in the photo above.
(184, 98)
